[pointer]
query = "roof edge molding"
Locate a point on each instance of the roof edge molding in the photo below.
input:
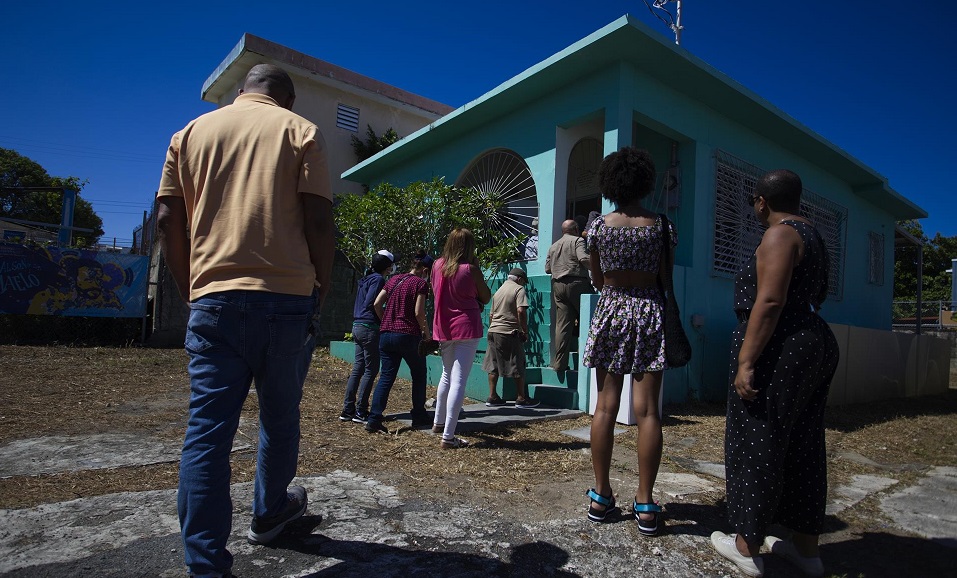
(218, 83)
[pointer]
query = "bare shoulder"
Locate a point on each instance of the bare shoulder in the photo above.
(643, 218)
(780, 239)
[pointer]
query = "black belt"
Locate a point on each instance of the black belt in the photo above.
(570, 279)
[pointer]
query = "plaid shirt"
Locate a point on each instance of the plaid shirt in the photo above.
(399, 314)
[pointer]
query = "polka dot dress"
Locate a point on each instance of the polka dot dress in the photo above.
(775, 460)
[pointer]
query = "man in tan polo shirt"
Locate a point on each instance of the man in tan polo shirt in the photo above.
(567, 263)
(245, 225)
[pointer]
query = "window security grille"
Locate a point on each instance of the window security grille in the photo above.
(347, 117)
(503, 175)
(875, 258)
(737, 231)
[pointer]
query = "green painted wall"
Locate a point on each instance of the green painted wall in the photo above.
(635, 107)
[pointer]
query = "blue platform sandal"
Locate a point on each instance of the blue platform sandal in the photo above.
(647, 527)
(596, 515)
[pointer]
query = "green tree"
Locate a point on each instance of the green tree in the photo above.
(421, 215)
(938, 252)
(18, 171)
(373, 142)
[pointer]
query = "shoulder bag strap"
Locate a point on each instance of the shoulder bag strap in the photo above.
(391, 293)
(664, 269)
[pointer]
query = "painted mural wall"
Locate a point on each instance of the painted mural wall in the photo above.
(39, 280)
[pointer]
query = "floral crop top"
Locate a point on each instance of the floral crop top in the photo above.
(628, 248)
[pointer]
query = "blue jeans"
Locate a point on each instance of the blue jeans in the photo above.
(233, 338)
(394, 347)
(364, 370)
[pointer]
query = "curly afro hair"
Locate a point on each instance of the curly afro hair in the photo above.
(626, 175)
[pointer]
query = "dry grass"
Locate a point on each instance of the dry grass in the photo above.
(76, 391)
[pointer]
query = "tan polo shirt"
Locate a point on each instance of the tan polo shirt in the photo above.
(505, 303)
(241, 171)
(564, 258)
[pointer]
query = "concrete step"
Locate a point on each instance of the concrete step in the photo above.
(554, 395)
(549, 376)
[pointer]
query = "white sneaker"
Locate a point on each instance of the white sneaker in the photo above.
(724, 544)
(454, 443)
(787, 550)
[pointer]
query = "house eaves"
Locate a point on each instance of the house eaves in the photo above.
(252, 50)
(628, 41)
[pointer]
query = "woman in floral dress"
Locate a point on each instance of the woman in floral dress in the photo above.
(627, 330)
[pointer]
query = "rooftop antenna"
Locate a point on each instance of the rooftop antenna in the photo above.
(673, 21)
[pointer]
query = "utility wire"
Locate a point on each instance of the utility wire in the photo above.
(75, 151)
(658, 16)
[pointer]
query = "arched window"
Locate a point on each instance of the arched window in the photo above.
(505, 175)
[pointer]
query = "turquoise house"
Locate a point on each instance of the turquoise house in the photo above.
(538, 138)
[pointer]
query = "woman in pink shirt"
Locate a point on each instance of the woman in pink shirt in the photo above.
(460, 295)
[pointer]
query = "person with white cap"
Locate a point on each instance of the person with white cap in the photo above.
(507, 333)
(365, 334)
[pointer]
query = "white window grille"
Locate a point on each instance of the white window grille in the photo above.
(347, 117)
(830, 220)
(503, 174)
(737, 231)
(875, 258)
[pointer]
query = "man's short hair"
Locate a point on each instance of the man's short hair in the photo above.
(780, 188)
(269, 79)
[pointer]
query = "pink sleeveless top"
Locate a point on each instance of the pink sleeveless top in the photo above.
(458, 314)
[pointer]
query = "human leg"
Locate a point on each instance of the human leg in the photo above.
(645, 392)
(370, 346)
(492, 364)
(219, 383)
(461, 354)
(492, 386)
(390, 355)
(563, 325)
(521, 388)
(803, 498)
(364, 370)
(352, 385)
(512, 363)
(442, 390)
(418, 371)
(602, 430)
(279, 353)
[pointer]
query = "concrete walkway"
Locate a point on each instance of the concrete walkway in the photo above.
(360, 526)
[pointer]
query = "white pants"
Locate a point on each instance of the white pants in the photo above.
(457, 358)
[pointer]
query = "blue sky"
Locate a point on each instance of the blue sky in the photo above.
(95, 89)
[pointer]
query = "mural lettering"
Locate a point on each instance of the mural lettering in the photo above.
(18, 282)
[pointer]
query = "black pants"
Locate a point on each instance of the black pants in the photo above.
(775, 460)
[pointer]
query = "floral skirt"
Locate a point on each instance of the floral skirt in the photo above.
(627, 331)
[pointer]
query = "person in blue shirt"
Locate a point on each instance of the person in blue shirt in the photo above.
(365, 334)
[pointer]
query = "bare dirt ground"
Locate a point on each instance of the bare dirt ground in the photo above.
(529, 470)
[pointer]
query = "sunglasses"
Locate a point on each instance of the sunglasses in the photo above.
(753, 199)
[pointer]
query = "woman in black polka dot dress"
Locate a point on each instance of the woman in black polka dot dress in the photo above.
(783, 358)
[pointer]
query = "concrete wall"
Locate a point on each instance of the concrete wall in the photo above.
(877, 364)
